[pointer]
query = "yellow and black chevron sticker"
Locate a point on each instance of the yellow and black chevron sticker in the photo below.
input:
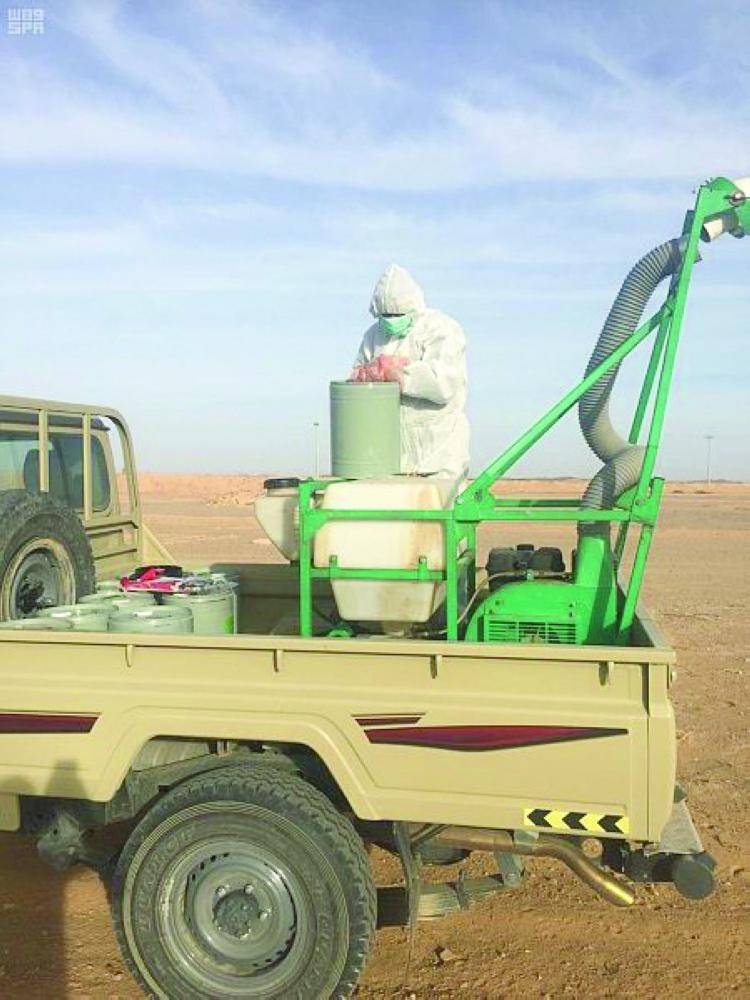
(561, 819)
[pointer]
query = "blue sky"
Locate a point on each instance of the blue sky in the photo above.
(199, 196)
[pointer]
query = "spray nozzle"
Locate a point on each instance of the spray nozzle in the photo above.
(736, 220)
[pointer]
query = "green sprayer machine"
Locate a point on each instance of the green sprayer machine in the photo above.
(527, 596)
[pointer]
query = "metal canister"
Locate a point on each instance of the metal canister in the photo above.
(152, 621)
(365, 429)
(91, 617)
(213, 611)
(123, 599)
(37, 625)
(231, 578)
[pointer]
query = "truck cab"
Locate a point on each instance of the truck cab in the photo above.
(58, 457)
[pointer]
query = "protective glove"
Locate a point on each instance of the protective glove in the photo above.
(360, 373)
(383, 368)
(392, 368)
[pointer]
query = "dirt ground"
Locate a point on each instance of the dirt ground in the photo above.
(549, 938)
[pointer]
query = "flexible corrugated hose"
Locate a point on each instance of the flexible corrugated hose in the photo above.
(622, 460)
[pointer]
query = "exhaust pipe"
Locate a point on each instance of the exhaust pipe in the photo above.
(474, 839)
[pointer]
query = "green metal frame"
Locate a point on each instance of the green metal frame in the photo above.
(477, 504)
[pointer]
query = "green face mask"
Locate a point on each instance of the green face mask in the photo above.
(395, 326)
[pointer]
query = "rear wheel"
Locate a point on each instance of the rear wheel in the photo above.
(244, 883)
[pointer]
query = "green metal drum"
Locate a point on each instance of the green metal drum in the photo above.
(37, 625)
(91, 617)
(365, 429)
(124, 600)
(152, 621)
(213, 612)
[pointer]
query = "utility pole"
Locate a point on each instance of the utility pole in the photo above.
(709, 438)
(316, 446)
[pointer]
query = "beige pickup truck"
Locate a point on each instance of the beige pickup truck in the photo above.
(228, 787)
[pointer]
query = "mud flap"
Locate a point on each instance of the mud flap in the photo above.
(679, 836)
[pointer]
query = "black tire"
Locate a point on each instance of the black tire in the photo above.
(45, 556)
(244, 882)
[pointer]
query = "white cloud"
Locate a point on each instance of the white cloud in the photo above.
(69, 245)
(249, 37)
(159, 67)
(629, 129)
(548, 248)
(181, 214)
(247, 90)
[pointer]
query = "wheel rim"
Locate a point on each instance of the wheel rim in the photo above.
(231, 912)
(40, 575)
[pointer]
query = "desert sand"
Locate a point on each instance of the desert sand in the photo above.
(549, 938)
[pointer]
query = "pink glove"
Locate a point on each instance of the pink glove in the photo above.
(361, 373)
(383, 368)
(392, 368)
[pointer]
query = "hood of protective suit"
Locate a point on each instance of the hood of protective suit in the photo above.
(396, 292)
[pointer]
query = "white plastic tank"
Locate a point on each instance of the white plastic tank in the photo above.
(277, 512)
(385, 545)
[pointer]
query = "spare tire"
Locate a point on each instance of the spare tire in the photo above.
(45, 556)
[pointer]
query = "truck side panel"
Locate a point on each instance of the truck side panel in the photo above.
(460, 734)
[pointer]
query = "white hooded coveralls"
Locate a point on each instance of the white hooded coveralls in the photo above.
(434, 426)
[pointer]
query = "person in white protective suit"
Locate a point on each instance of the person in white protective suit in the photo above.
(425, 352)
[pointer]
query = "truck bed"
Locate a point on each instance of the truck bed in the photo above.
(502, 736)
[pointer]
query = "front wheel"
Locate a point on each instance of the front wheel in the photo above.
(244, 883)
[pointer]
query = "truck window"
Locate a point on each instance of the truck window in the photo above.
(15, 446)
(19, 467)
(69, 451)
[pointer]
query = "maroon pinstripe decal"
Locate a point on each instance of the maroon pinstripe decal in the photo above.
(19, 723)
(485, 737)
